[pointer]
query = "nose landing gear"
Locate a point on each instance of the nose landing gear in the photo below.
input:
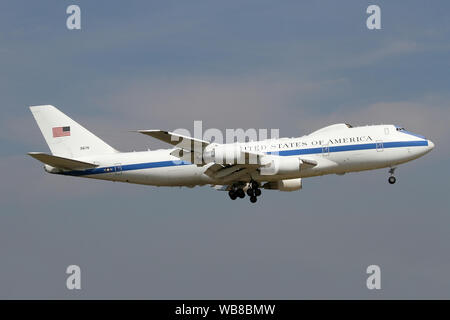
(392, 179)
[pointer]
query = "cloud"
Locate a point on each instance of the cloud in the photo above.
(220, 102)
(233, 102)
(383, 51)
(427, 116)
(262, 100)
(417, 116)
(267, 102)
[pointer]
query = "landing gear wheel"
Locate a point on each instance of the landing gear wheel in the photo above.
(392, 179)
(232, 194)
(240, 193)
(250, 192)
(253, 199)
(257, 192)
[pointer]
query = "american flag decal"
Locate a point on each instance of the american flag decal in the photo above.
(61, 132)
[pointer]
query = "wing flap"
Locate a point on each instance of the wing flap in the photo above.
(60, 162)
(213, 169)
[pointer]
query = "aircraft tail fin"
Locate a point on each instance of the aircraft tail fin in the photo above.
(65, 137)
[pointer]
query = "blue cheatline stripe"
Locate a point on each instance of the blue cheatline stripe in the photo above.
(398, 144)
(160, 164)
(126, 167)
(352, 147)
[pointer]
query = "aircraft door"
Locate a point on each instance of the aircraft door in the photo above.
(118, 168)
(325, 150)
(379, 146)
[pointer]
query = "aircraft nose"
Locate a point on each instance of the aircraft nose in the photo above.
(430, 144)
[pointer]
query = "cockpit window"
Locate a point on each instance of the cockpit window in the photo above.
(349, 125)
(400, 129)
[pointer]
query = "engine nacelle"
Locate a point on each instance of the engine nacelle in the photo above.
(281, 165)
(223, 154)
(285, 185)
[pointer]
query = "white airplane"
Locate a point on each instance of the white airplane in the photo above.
(238, 168)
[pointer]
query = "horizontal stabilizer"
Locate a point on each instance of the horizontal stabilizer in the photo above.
(60, 162)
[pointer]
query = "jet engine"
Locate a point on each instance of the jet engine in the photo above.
(281, 165)
(284, 185)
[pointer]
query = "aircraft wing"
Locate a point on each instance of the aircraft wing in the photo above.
(235, 172)
(190, 149)
(60, 162)
(178, 140)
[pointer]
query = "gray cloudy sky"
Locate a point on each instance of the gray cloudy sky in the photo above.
(291, 65)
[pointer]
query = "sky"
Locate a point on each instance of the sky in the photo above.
(291, 65)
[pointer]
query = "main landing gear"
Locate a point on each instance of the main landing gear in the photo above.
(253, 192)
(392, 179)
(235, 193)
